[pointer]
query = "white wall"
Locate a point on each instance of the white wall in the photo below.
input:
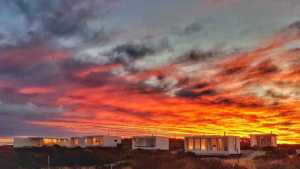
(274, 141)
(111, 141)
(26, 142)
(108, 141)
(161, 143)
(233, 145)
(254, 140)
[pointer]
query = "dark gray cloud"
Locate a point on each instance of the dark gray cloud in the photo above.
(15, 118)
(40, 69)
(96, 79)
(200, 85)
(293, 26)
(194, 94)
(19, 126)
(58, 20)
(193, 28)
(27, 109)
(239, 103)
(269, 69)
(128, 52)
(15, 115)
(125, 53)
(140, 114)
(233, 70)
(198, 55)
(12, 95)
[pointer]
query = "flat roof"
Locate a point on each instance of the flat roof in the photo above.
(210, 136)
(41, 138)
(93, 136)
(263, 134)
(149, 137)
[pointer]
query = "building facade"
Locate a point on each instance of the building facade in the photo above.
(213, 145)
(86, 141)
(39, 142)
(263, 140)
(77, 142)
(150, 143)
(95, 141)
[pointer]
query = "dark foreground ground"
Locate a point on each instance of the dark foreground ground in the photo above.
(37, 158)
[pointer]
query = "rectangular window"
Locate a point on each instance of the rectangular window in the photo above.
(144, 142)
(97, 141)
(191, 144)
(220, 144)
(209, 145)
(87, 141)
(236, 143)
(214, 144)
(225, 142)
(273, 141)
(76, 141)
(203, 144)
(197, 144)
(186, 143)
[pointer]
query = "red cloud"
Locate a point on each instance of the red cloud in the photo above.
(245, 99)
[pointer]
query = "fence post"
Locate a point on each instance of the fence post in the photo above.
(48, 161)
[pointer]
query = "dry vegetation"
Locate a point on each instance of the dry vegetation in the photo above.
(164, 160)
(37, 158)
(285, 163)
(283, 158)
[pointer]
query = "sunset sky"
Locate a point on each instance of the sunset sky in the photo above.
(163, 67)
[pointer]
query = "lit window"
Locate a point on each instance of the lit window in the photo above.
(191, 144)
(203, 144)
(225, 143)
(221, 144)
(197, 144)
(144, 142)
(214, 144)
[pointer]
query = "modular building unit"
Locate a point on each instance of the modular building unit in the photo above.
(213, 145)
(111, 141)
(95, 141)
(150, 143)
(263, 140)
(77, 142)
(29, 142)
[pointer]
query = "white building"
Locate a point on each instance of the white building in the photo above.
(77, 142)
(87, 141)
(6, 141)
(212, 145)
(150, 143)
(263, 140)
(95, 141)
(29, 142)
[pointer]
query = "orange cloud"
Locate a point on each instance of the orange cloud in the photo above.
(250, 92)
(36, 90)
